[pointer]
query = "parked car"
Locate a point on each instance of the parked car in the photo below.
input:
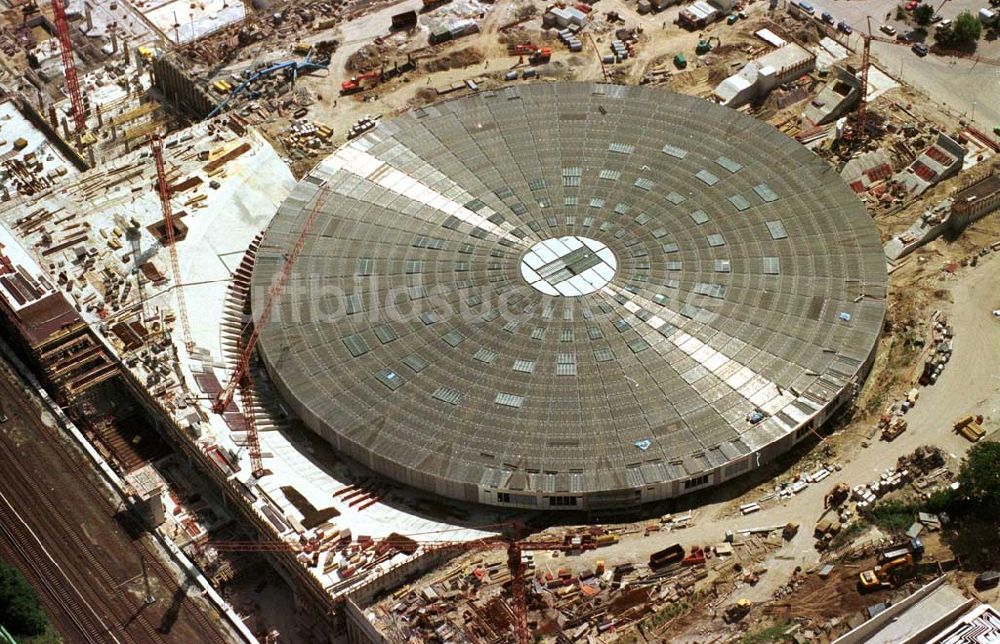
(937, 18)
(828, 17)
(944, 24)
(845, 28)
(920, 49)
(888, 30)
(911, 5)
(808, 8)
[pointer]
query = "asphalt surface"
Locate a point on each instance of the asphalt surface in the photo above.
(968, 88)
(85, 558)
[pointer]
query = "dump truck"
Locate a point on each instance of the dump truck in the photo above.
(893, 428)
(670, 555)
(885, 575)
(970, 427)
(913, 547)
(404, 20)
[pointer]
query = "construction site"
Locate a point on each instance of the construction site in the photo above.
(469, 321)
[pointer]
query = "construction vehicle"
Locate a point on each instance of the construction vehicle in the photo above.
(302, 48)
(404, 20)
(885, 575)
(914, 547)
(836, 496)
(736, 612)
(535, 53)
(705, 45)
(825, 530)
(222, 86)
(893, 427)
(789, 531)
(290, 69)
(970, 427)
(361, 81)
(670, 555)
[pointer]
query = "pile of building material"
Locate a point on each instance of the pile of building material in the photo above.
(563, 602)
(942, 337)
(307, 135)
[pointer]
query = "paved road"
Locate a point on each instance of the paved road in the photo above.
(59, 526)
(964, 86)
(971, 383)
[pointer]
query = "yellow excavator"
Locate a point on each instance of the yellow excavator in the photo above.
(885, 576)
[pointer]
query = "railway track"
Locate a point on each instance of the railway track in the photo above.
(50, 576)
(126, 611)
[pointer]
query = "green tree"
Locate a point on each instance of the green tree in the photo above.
(964, 32)
(923, 14)
(979, 478)
(20, 612)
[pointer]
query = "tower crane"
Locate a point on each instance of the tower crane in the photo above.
(156, 143)
(861, 114)
(69, 67)
(240, 377)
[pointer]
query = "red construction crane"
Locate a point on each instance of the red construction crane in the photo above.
(240, 376)
(156, 143)
(861, 115)
(69, 68)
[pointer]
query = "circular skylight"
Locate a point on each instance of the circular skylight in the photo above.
(569, 266)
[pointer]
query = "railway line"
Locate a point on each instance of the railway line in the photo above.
(83, 579)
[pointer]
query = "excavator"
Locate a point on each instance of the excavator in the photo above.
(534, 53)
(885, 575)
(359, 82)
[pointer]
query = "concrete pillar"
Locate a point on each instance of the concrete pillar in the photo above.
(125, 50)
(90, 156)
(87, 14)
(41, 99)
(114, 41)
(100, 119)
(53, 120)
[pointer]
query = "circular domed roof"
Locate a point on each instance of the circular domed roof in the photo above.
(588, 292)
